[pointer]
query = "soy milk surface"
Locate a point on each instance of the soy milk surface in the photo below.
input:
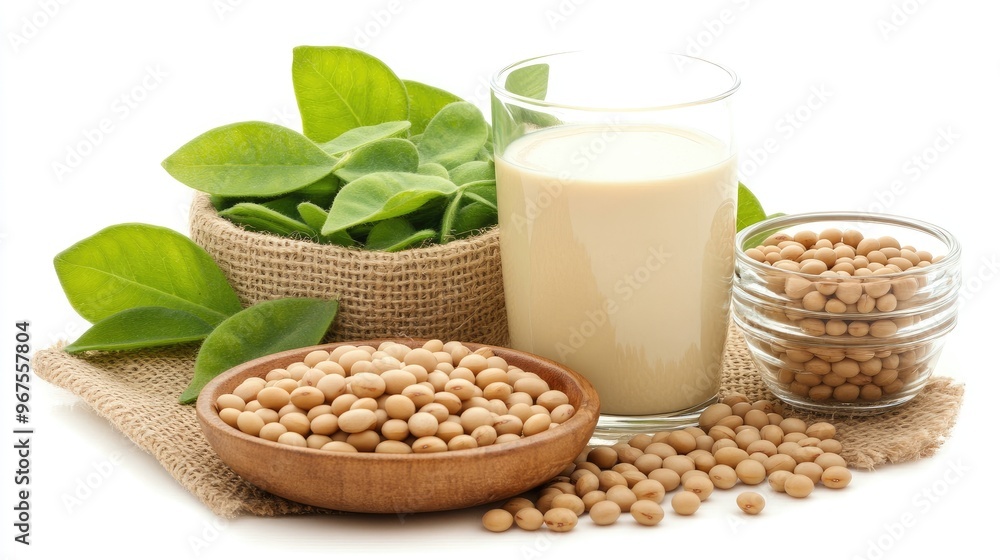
(617, 248)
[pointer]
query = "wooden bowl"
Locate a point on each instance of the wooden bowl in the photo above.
(401, 483)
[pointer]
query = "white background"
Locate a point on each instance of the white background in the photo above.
(896, 76)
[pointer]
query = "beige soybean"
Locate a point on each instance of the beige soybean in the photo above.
(571, 502)
(230, 416)
(723, 476)
(649, 490)
(751, 503)
(529, 518)
(605, 513)
(647, 512)
(810, 469)
(622, 495)
(497, 520)
(777, 480)
(798, 486)
(836, 477)
(667, 477)
(701, 486)
(560, 520)
(685, 502)
(751, 472)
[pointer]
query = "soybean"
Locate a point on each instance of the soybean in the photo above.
(750, 502)
(497, 520)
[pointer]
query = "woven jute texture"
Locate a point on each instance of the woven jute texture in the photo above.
(452, 291)
(137, 393)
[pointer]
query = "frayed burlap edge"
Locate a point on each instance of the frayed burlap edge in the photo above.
(452, 291)
(137, 393)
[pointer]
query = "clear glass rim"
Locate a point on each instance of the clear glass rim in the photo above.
(500, 91)
(950, 258)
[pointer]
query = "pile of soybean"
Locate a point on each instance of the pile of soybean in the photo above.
(442, 396)
(736, 442)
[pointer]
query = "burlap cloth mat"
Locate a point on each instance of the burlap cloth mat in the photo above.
(137, 393)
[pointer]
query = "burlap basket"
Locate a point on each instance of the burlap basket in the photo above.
(452, 291)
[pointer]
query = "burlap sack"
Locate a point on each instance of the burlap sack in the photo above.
(137, 393)
(452, 291)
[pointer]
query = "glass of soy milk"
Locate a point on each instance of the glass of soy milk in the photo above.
(616, 186)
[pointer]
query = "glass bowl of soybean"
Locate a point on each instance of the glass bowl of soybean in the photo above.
(846, 312)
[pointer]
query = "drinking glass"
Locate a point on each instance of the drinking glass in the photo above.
(617, 189)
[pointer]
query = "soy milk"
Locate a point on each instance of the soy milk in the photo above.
(617, 248)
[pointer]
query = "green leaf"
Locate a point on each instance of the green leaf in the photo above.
(342, 238)
(529, 81)
(454, 136)
(513, 121)
(425, 102)
(490, 202)
(748, 208)
(383, 195)
(357, 137)
(395, 235)
(391, 154)
(429, 215)
(254, 159)
(473, 217)
(141, 327)
(448, 219)
(139, 265)
(338, 88)
(286, 205)
(313, 215)
(258, 217)
(320, 193)
(473, 171)
(263, 329)
(435, 169)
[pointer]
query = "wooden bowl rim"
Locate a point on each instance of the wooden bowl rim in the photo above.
(584, 417)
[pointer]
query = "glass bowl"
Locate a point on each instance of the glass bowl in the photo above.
(831, 337)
